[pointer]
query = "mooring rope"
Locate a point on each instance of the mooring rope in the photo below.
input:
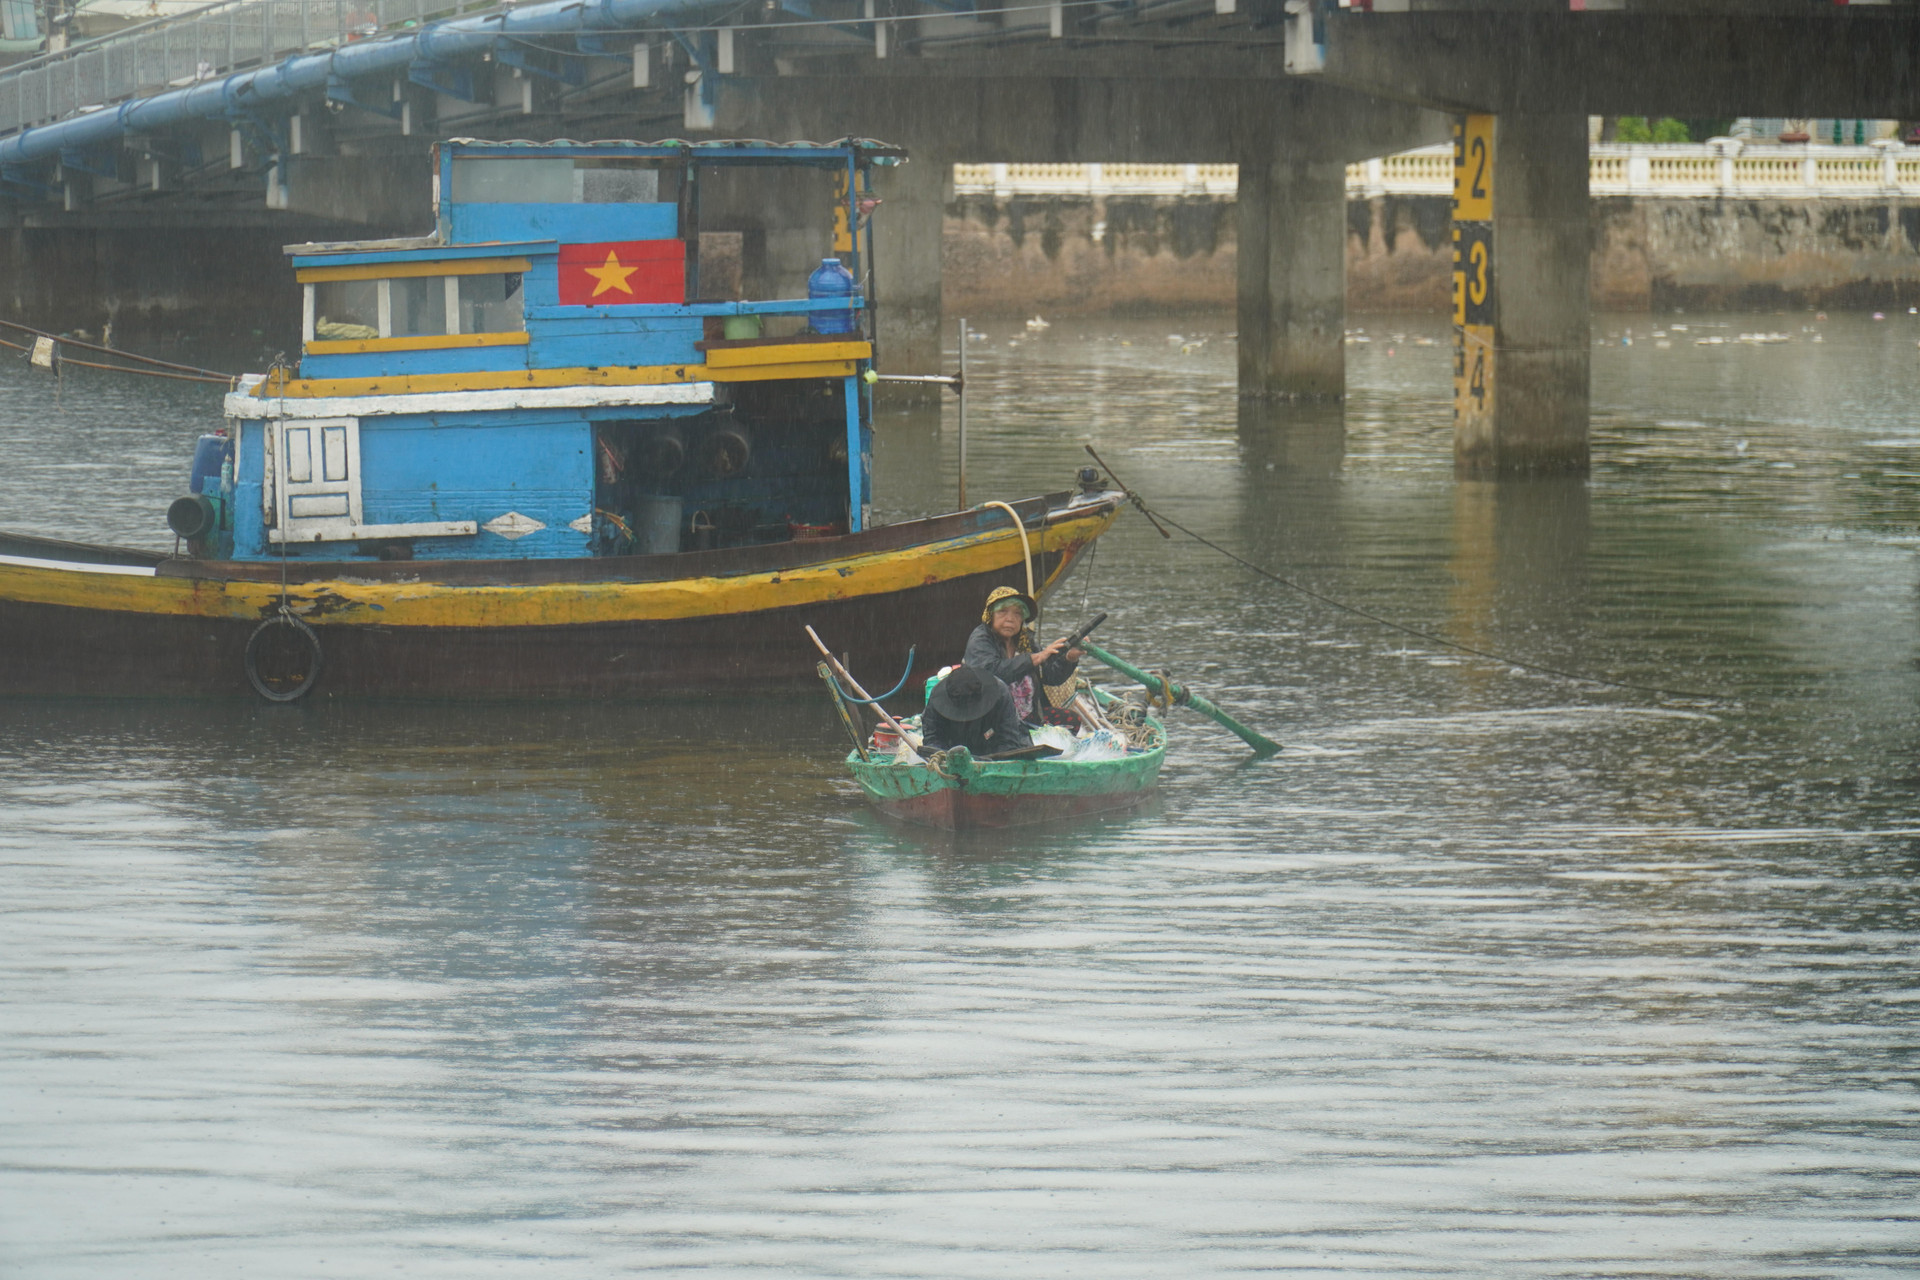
(180, 372)
(1159, 517)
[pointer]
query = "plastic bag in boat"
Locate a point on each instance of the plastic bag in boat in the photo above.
(1055, 736)
(1101, 744)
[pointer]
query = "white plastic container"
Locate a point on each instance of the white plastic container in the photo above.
(657, 524)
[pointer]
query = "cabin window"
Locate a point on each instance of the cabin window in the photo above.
(513, 181)
(610, 182)
(505, 180)
(346, 309)
(490, 304)
(418, 307)
(415, 307)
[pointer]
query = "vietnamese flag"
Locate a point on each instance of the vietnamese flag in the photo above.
(622, 272)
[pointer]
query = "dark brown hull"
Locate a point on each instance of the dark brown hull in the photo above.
(48, 648)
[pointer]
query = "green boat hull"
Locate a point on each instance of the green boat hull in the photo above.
(989, 794)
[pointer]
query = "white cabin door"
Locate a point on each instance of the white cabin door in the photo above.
(317, 479)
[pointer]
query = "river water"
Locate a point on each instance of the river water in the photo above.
(1490, 973)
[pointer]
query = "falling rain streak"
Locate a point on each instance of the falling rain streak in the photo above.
(1488, 974)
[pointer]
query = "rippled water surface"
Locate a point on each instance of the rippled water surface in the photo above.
(1491, 973)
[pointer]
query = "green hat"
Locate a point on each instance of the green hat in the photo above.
(1000, 595)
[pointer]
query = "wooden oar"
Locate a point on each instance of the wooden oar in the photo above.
(854, 685)
(1181, 696)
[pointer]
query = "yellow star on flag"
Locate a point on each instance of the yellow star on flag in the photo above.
(611, 275)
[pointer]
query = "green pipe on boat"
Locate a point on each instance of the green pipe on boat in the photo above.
(1182, 696)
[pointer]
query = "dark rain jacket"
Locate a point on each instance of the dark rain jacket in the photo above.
(998, 730)
(986, 653)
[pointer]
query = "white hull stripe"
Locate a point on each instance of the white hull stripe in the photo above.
(244, 405)
(75, 566)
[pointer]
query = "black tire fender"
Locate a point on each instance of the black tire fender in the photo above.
(284, 618)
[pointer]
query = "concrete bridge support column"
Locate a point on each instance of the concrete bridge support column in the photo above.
(906, 268)
(1292, 263)
(1522, 296)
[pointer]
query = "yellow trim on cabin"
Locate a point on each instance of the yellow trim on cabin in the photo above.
(512, 380)
(358, 602)
(521, 379)
(773, 372)
(787, 353)
(406, 270)
(421, 342)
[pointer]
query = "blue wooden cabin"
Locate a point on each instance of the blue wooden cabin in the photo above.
(603, 349)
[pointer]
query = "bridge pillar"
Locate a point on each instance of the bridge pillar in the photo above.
(1522, 258)
(1292, 243)
(906, 268)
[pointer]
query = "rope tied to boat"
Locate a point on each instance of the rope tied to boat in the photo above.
(1166, 697)
(1026, 548)
(1370, 616)
(179, 372)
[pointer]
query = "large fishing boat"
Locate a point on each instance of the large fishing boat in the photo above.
(606, 432)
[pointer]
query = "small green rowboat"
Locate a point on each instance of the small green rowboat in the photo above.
(955, 792)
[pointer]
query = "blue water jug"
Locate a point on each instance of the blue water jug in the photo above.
(831, 280)
(209, 452)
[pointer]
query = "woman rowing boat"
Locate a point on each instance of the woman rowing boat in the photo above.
(1002, 647)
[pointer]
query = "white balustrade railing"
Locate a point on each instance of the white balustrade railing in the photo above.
(1097, 179)
(1667, 170)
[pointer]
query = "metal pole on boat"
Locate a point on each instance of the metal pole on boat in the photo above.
(958, 383)
(960, 388)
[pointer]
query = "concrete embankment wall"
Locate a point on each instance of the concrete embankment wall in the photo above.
(162, 280)
(1119, 254)
(1066, 255)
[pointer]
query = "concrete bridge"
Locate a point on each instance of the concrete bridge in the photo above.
(240, 128)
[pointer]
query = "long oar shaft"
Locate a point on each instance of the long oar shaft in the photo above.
(1186, 697)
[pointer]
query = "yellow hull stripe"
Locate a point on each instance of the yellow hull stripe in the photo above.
(773, 372)
(427, 342)
(412, 270)
(790, 353)
(631, 376)
(417, 604)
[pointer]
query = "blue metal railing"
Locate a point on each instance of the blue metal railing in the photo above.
(273, 87)
(174, 52)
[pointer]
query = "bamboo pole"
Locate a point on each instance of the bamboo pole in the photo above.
(1182, 696)
(854, 685)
